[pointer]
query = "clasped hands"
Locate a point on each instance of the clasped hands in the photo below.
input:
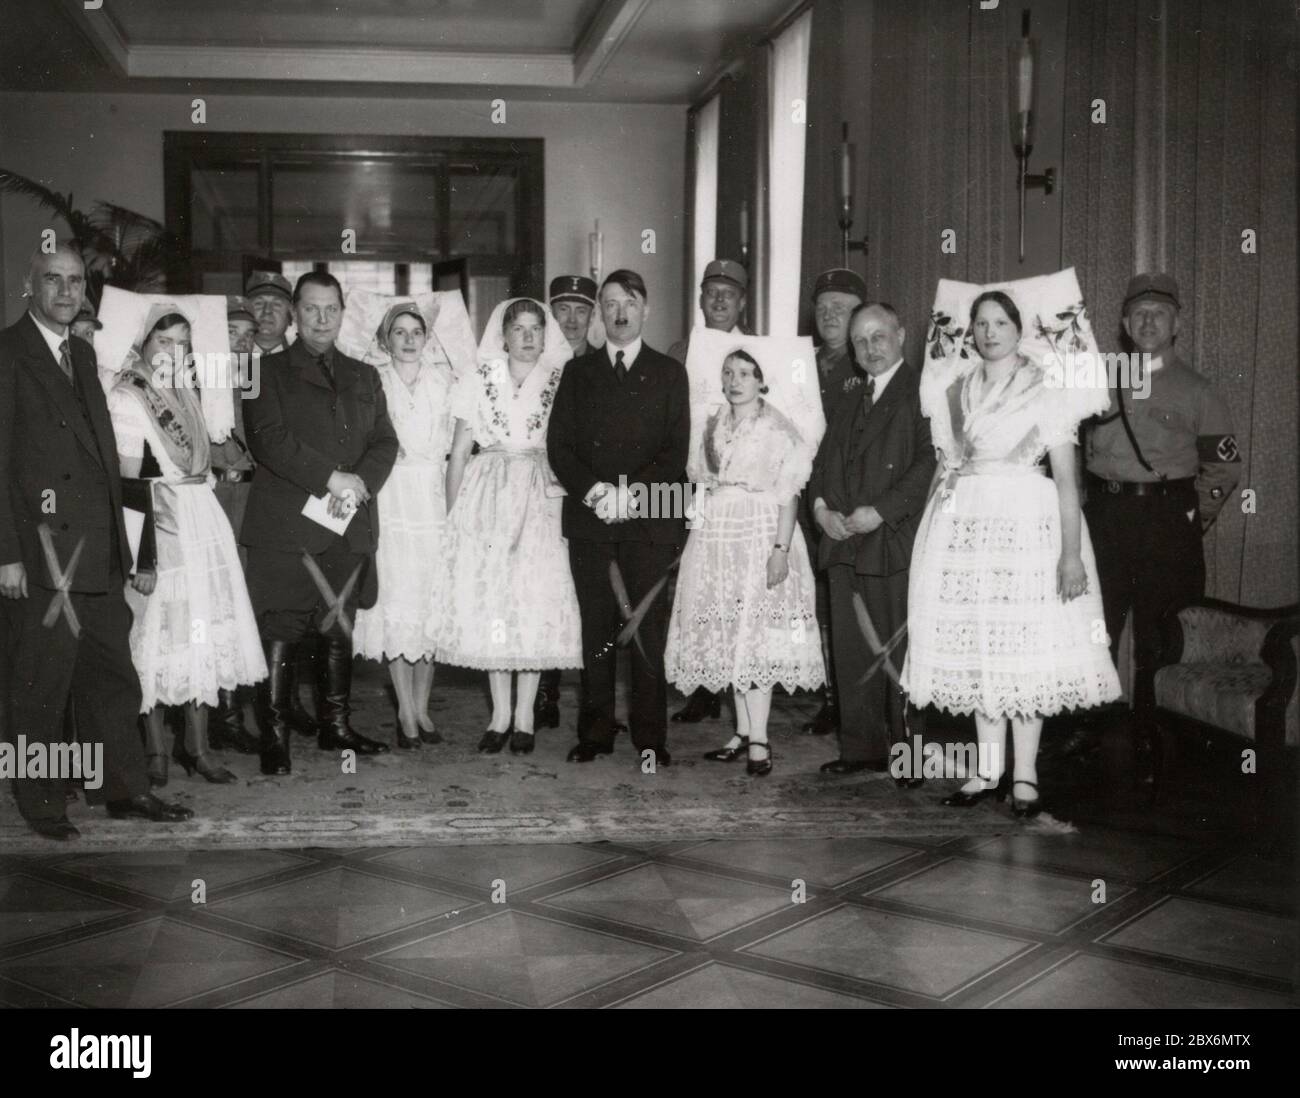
(612, 504)
(838, 526)
(347, 492)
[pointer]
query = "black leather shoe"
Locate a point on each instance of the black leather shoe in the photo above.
(662, 758)
(404, 743)
(1024, 810)
(585, 752)
(759, 767)
(148, 807)
(430, 735)
(700, 706)
(522, 743)
(961, 799)
(493, 742)
(848, 766)
(826, 721)
(333, 738)
(55, 829)
(729, 754)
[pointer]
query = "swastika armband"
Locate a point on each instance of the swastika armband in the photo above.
(1217, 448)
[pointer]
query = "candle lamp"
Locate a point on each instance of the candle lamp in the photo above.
(596, 252)
(1023, 73)
(847, 243)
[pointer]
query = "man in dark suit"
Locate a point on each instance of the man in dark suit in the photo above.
(59, 470)
(621, 418)
(869, 486)
(319, 427)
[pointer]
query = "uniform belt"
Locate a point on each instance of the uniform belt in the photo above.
(234, 476)
(1179, 487)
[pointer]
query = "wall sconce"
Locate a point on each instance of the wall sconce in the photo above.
(1024, 76)
(846, 200)
(596, 252)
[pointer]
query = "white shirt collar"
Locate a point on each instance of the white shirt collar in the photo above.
(882, 380)
(629, 352)
(52, 339)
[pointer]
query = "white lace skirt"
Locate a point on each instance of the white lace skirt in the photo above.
(728, 628)
(987, 631)
(411, 568)
(196, 634)
(508, 601)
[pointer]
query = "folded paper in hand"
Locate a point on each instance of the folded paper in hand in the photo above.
(317, 509)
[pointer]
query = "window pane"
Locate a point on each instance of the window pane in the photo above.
(390, 207)
(421, 278)
(483, 210)
(223, 208)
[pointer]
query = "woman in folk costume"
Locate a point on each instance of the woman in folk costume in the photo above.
(1003, 598)
(509, 604)
(195, 635)
(412, 508)
(744, 614)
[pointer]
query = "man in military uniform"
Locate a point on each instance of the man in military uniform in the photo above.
(573, 300)
(318, 428)
(270, 299)
(233, 466)
(723, 293)
(836, 293)
(1159, 469)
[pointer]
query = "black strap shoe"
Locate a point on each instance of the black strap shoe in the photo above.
(493, 742)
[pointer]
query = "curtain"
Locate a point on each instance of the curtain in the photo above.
(705, 235)
(787, 137)
(1198, 147)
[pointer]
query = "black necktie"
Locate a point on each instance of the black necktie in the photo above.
(870, 398)
(324, 365)
(620, 367)
(65, 362)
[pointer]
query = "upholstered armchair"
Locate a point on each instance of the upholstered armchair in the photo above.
(1231, 670)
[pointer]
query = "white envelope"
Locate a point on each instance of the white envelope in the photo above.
(316, 509)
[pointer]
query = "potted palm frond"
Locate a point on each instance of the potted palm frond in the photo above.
(121, 247)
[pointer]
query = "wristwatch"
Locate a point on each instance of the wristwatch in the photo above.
(783, 548)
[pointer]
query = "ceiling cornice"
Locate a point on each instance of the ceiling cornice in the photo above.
(591, 54)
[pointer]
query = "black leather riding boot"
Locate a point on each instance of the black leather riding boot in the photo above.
(336, 732)
(301, 720)
(275, 707)
(227, 726)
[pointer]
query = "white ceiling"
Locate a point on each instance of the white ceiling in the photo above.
(654, 51)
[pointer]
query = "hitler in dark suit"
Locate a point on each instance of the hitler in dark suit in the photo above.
(876, 455)
(605, 427)
(59, 467)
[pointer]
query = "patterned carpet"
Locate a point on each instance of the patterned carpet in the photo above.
(451, 794)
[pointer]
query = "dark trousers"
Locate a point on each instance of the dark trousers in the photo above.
(872, 704)
(286, 600)
(233, 497)
(1149, 560)
(641, 564)
(48, 668)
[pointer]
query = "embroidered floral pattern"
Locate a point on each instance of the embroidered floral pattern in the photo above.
(490, 372)
(1068, 335)
(944, 335)
(537, 420)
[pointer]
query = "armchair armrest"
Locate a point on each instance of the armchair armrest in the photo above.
(1214, 631)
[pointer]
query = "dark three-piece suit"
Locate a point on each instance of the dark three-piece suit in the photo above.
(59, 467)
(603, 428)
(875, 453)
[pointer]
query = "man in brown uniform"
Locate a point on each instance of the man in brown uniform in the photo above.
(1159, 469)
